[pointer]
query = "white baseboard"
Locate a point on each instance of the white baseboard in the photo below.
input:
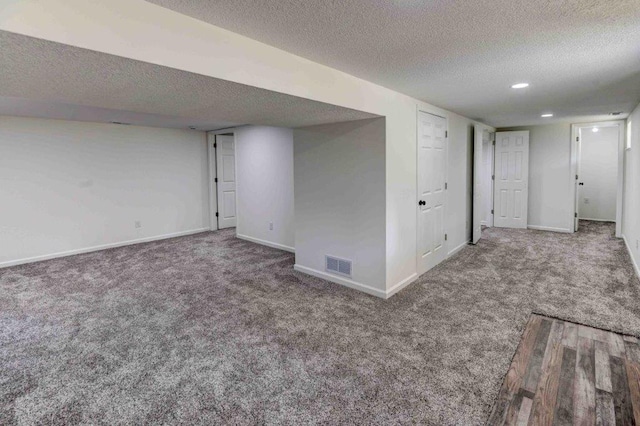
(597, 220)
(458, 248)
(100, 247)
(633, 260)
(266, 243)
(402, 284)
(548, 228)
(342, 281)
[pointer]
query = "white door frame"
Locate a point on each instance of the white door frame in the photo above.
(491, 174)
(213, 189)
(446, 178)
(575, 132)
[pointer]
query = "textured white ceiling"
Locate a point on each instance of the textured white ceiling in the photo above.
(46, 79)
(581, 57)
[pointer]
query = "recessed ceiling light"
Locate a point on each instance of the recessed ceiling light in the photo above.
(520, 85)
(546, 115)
(192, 127)
(595, 129)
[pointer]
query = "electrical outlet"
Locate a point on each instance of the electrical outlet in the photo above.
(137, 224)
(586, 201)
(270, 226)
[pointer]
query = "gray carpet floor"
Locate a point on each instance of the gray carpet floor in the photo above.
(209, 329)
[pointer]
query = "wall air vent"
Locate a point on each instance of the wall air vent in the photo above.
(338, 266)
(121, 123)
(616, 113)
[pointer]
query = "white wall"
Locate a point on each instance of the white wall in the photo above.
(340, 200)
(599, 173)
(153, 34)
(264, 164)
(551, 204)
(631, 199)
(70, 186)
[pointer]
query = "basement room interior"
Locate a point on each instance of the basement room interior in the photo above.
(338, 212)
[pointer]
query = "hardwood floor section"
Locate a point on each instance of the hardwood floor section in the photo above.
(570, 374)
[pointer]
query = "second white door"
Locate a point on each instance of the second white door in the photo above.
(432, 160)
(226, 181)
(511, 186)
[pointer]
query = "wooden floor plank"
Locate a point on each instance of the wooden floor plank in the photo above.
(632, 350)
(621, 393)
(631, 339)
(570, 335)
(515, 376)
(525, 412)
(592, 333)
(547, 391)
(584, 385)
(564, 402)
(568, 374)
(633, 376)
(603, 370)
(605, 412)
(616, 345)
(532, 375)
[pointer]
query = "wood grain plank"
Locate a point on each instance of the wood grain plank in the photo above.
(605, 412)
(631, 339)
(547, 391)
(593, 333)
(621, 393)
(564, 402)
(524, 412)
(603, 371)
(616, 345)
(570, 335)
(633, 376)
(515, 376)
(632, 351)
(534, 369)
(584, 386)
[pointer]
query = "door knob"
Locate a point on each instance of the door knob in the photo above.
(581, 183)
(422, 203)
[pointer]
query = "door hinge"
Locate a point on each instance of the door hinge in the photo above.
(494, 142)
(215, 144)
(216, 180)
(576, 177)
(446, 185)
(216, 214)
(493, 177)
(446, 133)
(575, 214)
(491, 211)
(577, 138)
(445, 237)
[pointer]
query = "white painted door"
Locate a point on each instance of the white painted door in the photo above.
(480, 137)
(226, 181)
(576, 216)
(511, 186)
(432, 160)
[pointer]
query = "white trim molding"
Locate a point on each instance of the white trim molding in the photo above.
(636, 267)
(549, 228)
(455, 250)
(100, 247)
(266, 243)
(402, 284)
(342, 281)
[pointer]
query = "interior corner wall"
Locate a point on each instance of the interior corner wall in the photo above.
(550, 201)
(264, 185)
(339, 181)
(631, 197)
(69, 187)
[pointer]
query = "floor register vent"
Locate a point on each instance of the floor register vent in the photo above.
(338, 266)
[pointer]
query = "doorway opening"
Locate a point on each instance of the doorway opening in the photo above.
(222, 180)
(597, 152)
